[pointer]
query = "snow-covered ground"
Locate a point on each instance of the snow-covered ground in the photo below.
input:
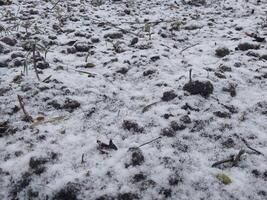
(116, 70)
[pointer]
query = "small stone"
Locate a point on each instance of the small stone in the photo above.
(9, 41)
(95, 40)
(246, 46)
(138, 177)
(123, 70)
(155, 58)
(132, 126)
(81, 47)
(113, 35)
(136, 156)
(127, 12)
(222, 52)
(169, 132)
(185, 119)
(69, 192)
(198, 87)
(224, 68)
(168, 96)
(149, 72)
(42, 65)
(222, 114)
(70, 105)
(71, 50)
(177, 127)
(134, 41)
(229, 143)
(263, 57)
(127, 196)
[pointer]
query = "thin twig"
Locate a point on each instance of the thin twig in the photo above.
(189, 47)
(27, 116)
(248, 146)
(231, 159)
(55, 4)
(47, 78)
(150, 141)
(149, 106)
(237, 158)
(34, 61)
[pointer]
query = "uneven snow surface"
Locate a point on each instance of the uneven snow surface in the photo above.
(116, 70)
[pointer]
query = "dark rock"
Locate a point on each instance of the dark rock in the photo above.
(188, 107)
(9, 41)
(198, 87)
(105, 197)
(263, 57)
(149, 72)
(253, 54)
(69, 192)
(138, 177)
(166, 192)
(231, 89)
(224, 68)
(127, 12)
(222, 114)
(37, 164)
(113, 35)
(134, 41)
(219, 75)
(155, 58)
(42, 65)
(196, 2)
(222, 51)
(256, 173)
(54, 104)
(71, 50)
(17, 55)
(185, 119)
(3, 64)
(123, 70)
(237, 64)
(246, 46)
(136, 157)
(70, 105)
(95, 40)
(147, 184)
(21, 184)
(169, 132)
(127, 196)
(168, 96)
(81, 47)
(175, 179)
(177, 127)
(52, 37)
(132, 126)
(229, 143)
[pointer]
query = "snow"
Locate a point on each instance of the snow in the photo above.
(110, 97)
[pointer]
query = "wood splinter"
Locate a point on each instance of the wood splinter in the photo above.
(27, 118)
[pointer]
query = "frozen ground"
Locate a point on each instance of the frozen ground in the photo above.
(103, 68)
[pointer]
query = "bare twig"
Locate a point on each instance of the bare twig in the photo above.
(231, 159)
(34, 61)
(248, 146)
(190, 75)
(150, 141)
(82, 159)
(27, 116)
(189, 47)
(149, 106)
(237, 158)
(55, 4)
(47, 78)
